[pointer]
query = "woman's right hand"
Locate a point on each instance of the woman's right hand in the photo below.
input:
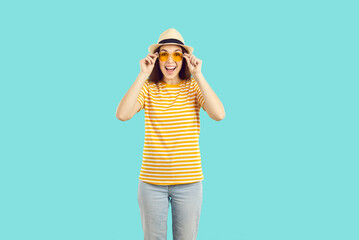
(148, 63)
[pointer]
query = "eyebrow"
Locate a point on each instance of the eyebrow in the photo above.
(174, 50)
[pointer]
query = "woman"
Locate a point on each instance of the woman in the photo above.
(171, 169)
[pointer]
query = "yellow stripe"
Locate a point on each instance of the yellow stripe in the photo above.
(176, 150)
(172, 180)
(179, 138)
(170, 176)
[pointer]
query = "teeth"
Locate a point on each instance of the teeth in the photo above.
(170, 67)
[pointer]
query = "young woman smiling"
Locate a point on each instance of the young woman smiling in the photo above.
(171, 89)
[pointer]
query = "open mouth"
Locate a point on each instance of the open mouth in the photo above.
(170, 69)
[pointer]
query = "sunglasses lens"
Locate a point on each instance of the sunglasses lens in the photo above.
(163, 56)
(177, 56)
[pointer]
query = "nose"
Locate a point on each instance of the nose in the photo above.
(170, 59)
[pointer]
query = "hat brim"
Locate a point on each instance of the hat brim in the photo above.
(153, 47)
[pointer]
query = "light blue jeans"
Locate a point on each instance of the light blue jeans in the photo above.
(186, 203)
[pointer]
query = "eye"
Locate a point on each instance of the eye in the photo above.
(163, 54)
(177, 54)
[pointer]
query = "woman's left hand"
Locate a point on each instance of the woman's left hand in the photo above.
(194, 64)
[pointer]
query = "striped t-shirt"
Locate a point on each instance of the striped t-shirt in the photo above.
(171, 152)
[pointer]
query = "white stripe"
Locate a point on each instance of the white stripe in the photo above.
(168, 133)
(195, 150)
(176, 142)
(182, 138)
(173, 106)
(172, 111)
(173, 167)
(171, 152)
(158, 99)
(154, 165)
(160, 142)
(183, 94)
(175, 118)
(173, 114)
(182, 121)
(171, 157)
(166, 162)
(174, 127)
(184, 178)
(165, 121)
(179, 148)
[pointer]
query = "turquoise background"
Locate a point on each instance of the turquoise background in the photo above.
(282, 165)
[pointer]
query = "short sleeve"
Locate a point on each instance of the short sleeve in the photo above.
(142, 95)
(199, 95)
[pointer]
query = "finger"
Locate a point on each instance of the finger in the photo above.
(189, 62)
(152, 60)
(187, 59)
(149, 60)
(196, 61)
(149, 57)
(192, 60)
(152, 55)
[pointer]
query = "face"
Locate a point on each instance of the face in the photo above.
(170, 74)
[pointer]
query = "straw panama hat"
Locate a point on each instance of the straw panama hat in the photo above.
(170, 36)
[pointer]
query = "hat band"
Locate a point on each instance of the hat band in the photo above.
(171, 40)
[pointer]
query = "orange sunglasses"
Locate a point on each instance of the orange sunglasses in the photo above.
(176, 56)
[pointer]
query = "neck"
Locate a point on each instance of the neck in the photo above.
(172, 81)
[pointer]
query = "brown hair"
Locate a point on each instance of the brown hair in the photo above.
(157, 75)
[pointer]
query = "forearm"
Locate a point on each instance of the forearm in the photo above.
(127, 104)
(213, 105)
